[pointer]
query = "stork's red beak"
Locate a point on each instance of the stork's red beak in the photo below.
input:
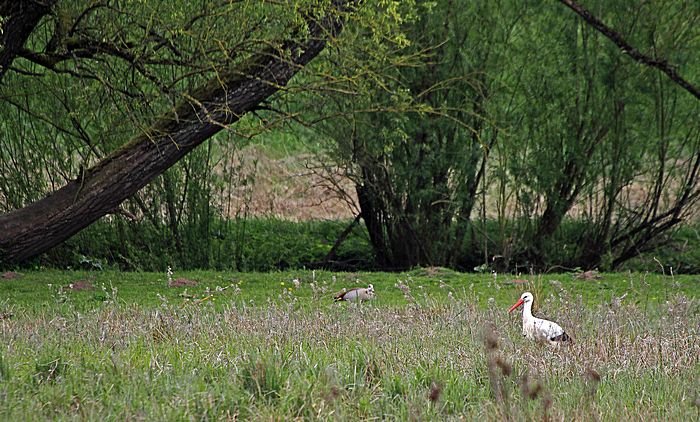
(518, 303)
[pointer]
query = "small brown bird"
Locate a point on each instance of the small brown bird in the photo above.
(355, 294)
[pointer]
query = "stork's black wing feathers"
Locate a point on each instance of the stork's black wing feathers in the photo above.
(563, 337)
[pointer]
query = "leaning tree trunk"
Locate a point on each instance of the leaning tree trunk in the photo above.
(36, 228)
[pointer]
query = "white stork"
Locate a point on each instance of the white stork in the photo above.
(537, 328)
(355, 294)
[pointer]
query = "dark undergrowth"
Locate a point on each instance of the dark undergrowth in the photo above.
(274, 244)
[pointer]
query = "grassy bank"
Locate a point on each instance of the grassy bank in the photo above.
(434, 345)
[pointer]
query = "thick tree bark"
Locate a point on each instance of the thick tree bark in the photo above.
(34, 229)
(18, 18)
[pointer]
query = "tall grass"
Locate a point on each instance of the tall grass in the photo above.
(431, 359)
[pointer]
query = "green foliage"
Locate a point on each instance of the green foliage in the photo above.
(411, 132)
(448, 116)
(598, 126)
(678, 253)
(525, 106)
(244, 245)
(95, 77)
(272, 244)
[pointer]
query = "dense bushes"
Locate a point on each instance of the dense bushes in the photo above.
(243, 245)
(518, 112)
(273, 244)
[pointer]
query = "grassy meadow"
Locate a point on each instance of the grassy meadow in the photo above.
(433, 345)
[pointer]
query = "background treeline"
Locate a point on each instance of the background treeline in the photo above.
(269, 244)
(508, 134)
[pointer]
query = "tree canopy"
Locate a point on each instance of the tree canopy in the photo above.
(449, 117)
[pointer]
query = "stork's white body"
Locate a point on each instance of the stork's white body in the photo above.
(356, 294)
(537, 328)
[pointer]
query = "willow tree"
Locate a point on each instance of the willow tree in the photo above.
(610, 145)
(527, 110)
(415, 135)
(120, 91)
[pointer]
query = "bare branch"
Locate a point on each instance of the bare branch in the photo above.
(658, 63)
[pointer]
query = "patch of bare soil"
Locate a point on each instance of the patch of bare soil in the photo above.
(181, 282)
(589, 275)
(80, 285)
(434, 271)
(10, 275)
(301, 188)
(296, 188)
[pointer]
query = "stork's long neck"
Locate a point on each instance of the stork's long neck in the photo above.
(527, 311)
